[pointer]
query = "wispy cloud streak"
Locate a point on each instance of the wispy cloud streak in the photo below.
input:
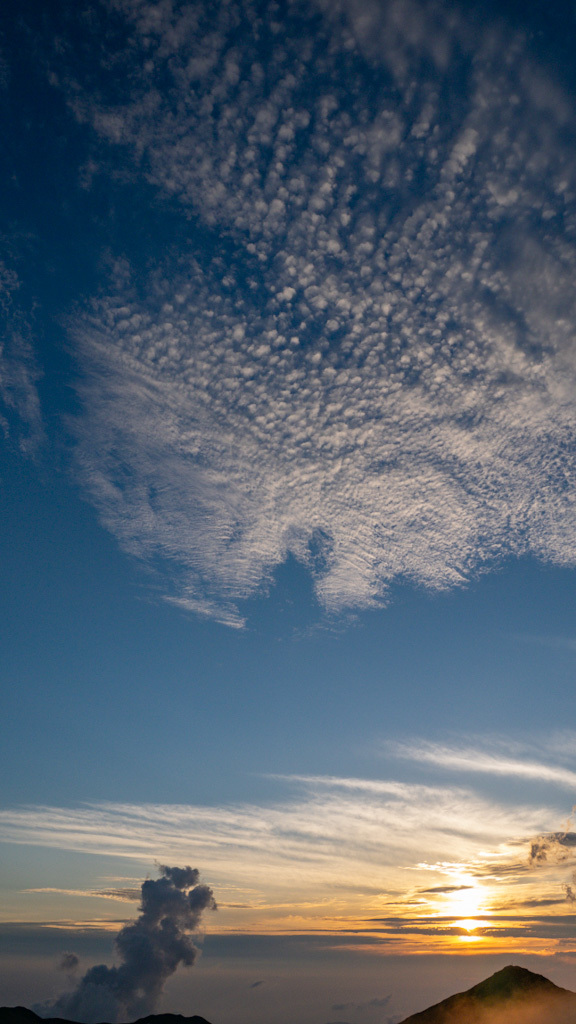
(490, 762)
(288, 866)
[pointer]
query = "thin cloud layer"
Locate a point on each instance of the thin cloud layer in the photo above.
(345, 857)
(485, 760)
(363, 353)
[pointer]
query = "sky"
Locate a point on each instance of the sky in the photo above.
(288, 493)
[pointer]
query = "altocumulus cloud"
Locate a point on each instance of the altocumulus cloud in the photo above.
(368, 359)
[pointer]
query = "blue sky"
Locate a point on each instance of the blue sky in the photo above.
(287, 480)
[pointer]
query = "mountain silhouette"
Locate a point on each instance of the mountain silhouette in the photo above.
(20, 1015)
(511, 996)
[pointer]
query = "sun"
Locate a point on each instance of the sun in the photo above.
(467, 904)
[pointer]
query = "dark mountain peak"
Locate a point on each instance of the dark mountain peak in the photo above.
(533, 998)
(17, 1015)
(512, 981)
(21, 1015)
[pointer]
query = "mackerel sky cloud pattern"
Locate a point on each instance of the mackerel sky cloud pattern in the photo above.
(368, 361)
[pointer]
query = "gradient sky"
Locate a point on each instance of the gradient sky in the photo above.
(288, 489)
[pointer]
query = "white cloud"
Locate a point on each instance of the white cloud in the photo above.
(485, 761)
(335, 831)
(371, 363)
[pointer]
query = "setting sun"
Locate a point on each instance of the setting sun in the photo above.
(465, 902)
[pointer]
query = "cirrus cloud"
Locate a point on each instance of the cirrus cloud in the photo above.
(341, 856)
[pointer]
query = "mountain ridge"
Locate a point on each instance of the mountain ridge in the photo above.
(513, 995)
(22, 1015)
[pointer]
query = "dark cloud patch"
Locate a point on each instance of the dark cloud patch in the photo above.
(123, 895)
(377, 1003)
(383, 1001)
(552, 848)
(69, 962)
(495, 869)
(544, 902)
(445, 888)
(150, 949)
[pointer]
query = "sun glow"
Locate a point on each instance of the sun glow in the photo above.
(467, 904)
(470, 925)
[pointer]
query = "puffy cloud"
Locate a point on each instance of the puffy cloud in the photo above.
(150, 949)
